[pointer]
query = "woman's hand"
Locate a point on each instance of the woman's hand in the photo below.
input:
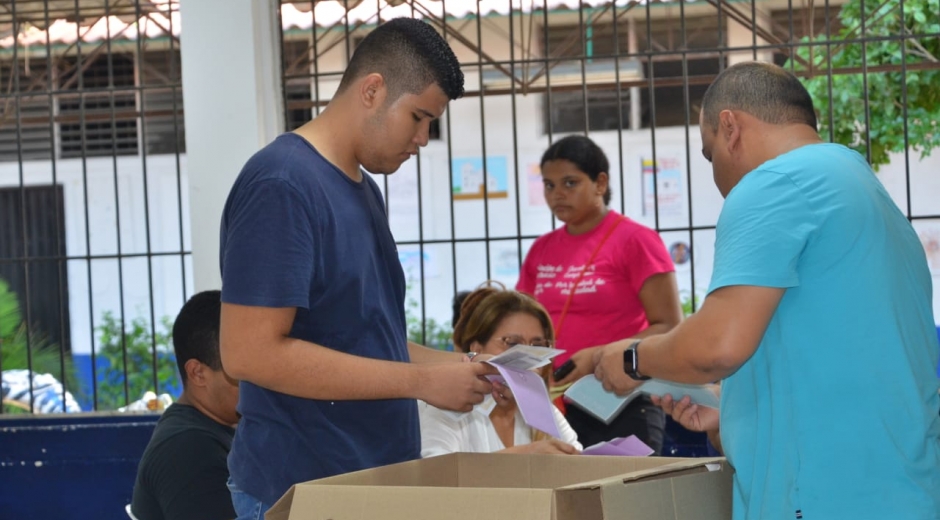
(583, 365)
(691, 416)
(503, 395)
(694, 417)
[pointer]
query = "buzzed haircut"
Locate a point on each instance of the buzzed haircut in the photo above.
(410, 55)
(763, 90)
(196, 332)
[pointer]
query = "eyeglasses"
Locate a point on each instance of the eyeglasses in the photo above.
(512, 341)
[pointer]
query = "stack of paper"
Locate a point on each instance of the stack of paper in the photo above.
(588, 394)
(525, 357)
(700, 394)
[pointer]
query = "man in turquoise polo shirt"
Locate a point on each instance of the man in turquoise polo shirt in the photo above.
(818, 320)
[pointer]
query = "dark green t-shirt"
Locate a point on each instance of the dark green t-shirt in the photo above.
(183, 471)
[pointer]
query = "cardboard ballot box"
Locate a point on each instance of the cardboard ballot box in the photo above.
(464, 486)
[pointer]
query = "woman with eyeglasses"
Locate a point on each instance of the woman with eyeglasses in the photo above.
(602, 277)
(492, 320)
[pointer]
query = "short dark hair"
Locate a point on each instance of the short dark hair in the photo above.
(584, 153)
(764, 90)
(410, 55)
(196, 332)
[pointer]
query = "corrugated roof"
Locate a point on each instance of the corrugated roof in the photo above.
(28, 18)
(299, 16)
(35, 12)
(160, 17)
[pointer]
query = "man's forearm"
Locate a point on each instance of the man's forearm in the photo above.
(683, 355)
(654, 330)
(312, 371)
(715, 341)
(422, 354)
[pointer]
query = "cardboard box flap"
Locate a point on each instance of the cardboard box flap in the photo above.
(691, 492)
(281, 509)
(664, 471)
(542, 471)
(434, 472)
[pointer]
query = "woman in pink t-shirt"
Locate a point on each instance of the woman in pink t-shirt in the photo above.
(622, 277)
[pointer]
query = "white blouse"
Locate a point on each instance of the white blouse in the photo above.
(445, 432)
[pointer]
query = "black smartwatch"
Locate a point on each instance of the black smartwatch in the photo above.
(631, 362)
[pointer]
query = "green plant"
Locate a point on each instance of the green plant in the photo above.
(686, 299)
(885, 90)
(23, 347)
(140, 346)
(10, 317)
(429, 333)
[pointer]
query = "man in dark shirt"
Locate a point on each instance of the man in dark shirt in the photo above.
(313, 312)
(183, 471)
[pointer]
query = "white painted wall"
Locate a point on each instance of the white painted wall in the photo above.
(94, 182)
(233, 103)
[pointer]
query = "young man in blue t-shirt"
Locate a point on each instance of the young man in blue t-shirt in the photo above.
(313, 318)
(818, 319)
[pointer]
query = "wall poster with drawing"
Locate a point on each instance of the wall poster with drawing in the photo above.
(669, 191)
(469, 178)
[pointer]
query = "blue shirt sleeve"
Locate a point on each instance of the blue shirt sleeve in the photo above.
(268, 247)
(763, 228)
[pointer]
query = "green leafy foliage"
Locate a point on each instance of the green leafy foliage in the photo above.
(22, 347)
(885, 89)
(686, 300)
(140, 344)
(432, 334)
(10, 317)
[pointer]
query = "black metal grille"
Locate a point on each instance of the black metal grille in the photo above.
(94, 257)
(630, 74)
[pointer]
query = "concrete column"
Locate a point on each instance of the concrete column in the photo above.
(231, 57)
(741, 36)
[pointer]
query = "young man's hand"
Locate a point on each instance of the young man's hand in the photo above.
(454, 386)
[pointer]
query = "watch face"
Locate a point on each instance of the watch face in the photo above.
(629, 361)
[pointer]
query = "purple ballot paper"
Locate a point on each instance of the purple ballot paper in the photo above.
(621, 446)
(531, 395)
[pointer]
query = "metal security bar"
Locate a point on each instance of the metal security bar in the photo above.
(94, 257)
(631, 75)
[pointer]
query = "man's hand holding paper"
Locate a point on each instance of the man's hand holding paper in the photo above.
(455, 386)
